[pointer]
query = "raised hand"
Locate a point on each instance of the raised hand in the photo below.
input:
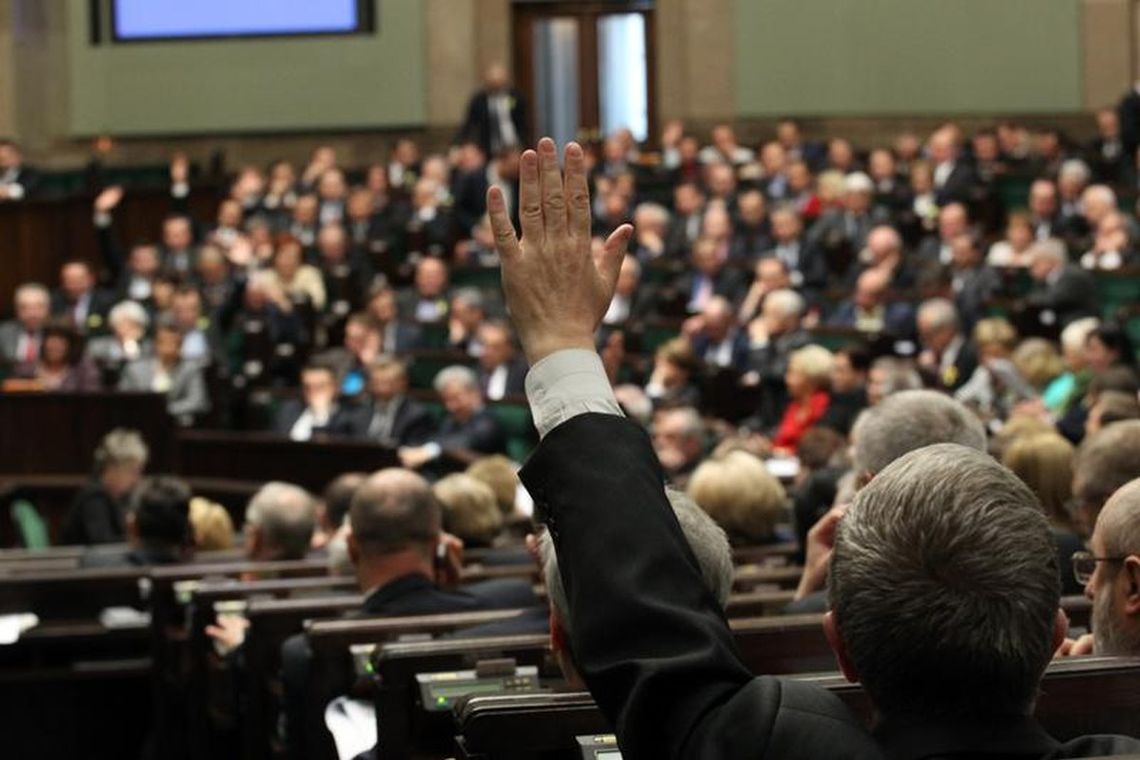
(106, 201)
(557, 291)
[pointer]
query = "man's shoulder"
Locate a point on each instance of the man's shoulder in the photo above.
(1096, 746)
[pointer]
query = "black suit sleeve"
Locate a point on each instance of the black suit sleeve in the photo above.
(673, 665)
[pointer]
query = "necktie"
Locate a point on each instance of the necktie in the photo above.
(31, 348)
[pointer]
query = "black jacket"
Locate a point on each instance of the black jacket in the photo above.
(653, 644)
(481, 128)
(342, 422)
(94, 518)
(412, 425)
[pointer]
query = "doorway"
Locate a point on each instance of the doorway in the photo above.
(587, 68)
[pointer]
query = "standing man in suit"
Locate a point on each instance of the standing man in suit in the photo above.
(496, 116)
(468, 432)
(17, 181)
(393, 419)
(319, 415)
(22, 337)
(673, 684)
(954, 178)
(501, 374)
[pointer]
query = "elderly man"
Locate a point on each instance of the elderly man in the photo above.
(842, 233)
(884, 252)
(946, 357)
(468, 432)
(1105, 461)
(679, 442)
(1062, 291)
(934, 252)
(279, 522)
(496, 115)
(79, 301)
(21, 338)
(1110, 572)
(705, 538)
(868, 311)
(652, 220)
(804, 260)
(773, 337)
(954, 179)
(672, 682)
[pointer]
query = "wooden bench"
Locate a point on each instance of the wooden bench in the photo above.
(1079, 696)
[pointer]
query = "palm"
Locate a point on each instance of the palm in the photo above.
(557, 290)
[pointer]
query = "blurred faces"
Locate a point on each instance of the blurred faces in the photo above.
(168, 346)
(431, 278)
(497, 348)
(186, 309)
(1098, 356)
(318, 386)
(388, 382)
(76, 280)
(177, 235)
(461, 401)
(32, 309)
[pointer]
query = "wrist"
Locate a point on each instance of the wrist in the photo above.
(538, 348)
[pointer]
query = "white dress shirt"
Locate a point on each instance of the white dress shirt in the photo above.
(566, 384)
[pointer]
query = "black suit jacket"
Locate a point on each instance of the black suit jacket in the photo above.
(412, 426)
(101, 304)
(481, 433)
(481, 128)
(1071, 297)
(342, 423)
(672, 683)
(516, 379)
(94, 518)
(959, 186)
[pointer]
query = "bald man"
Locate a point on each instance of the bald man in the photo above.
(401, 558)
(1110, 572)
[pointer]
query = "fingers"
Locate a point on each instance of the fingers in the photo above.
(613, 253)
(553, 193)
(578, 192)
(506, 241)
(530, 197)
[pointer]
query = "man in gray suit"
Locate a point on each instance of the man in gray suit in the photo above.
(21, 337)
(166, 372)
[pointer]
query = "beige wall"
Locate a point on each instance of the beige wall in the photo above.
(695, 62)
(1107, 50)
(7, 80)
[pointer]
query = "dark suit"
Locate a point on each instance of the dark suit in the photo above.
(24, 177)
(10, 334)
(973, 288)
(728, 283)
(898, 318)
(516, 379)
(341, 423)
(95, 318)
(958, 187)
(408, 595)
(410, 425)
(959, 373)
(481, 433)
(672, 683)
(469, 190)
(738, 358)
(1071, 296)
(482, 127)
(94, 518)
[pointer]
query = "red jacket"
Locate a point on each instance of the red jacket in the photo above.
(798, 419)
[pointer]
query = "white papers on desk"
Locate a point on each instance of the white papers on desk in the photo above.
(352, 723)
(11, 626)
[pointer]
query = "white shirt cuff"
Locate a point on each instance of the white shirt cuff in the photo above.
(566, 384)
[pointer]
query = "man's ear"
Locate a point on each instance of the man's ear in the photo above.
(863, 478)
(839, 647)
(1131, 572)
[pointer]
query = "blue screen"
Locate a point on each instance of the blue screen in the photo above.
(148, 19)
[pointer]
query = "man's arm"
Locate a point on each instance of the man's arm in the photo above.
(646, 633)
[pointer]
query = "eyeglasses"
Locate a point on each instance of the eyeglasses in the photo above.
(1084, 565)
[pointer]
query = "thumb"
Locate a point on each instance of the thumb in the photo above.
(608, 260)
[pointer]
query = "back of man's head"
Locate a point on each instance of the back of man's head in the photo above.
(707, 540)
(337, 498)
(1105, 462)
(909, 420)
(945, 586)
(160, 510)
(283, 516)
(394, 511)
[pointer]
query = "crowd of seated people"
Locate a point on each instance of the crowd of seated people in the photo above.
(788, 322)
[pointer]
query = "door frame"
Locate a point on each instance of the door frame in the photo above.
(525, 13)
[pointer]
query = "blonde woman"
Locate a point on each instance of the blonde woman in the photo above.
(741, 496)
